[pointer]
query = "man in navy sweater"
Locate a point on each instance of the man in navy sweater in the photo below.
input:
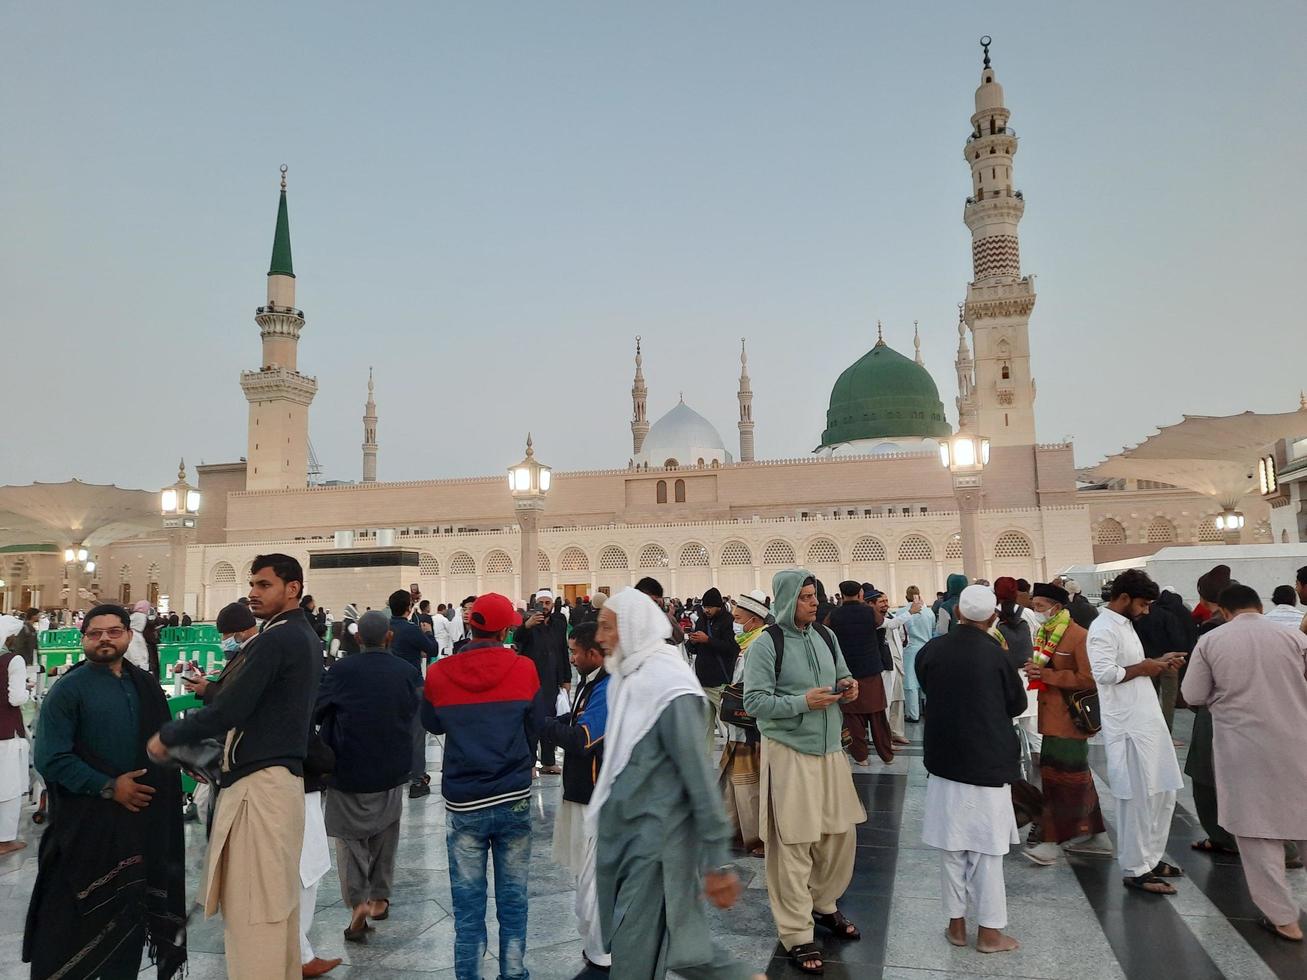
(482, 700)
(414, 645)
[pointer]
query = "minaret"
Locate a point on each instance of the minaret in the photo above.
(639, 395)
(746, 408)
(277, 457)
(916, 343)
(966, 400)
(370, 436)
(999, 298)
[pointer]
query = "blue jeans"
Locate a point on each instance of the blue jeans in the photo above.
(504, 831)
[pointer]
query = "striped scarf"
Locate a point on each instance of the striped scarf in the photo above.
(1047, 639)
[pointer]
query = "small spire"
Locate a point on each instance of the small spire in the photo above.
(682, 396)
(962, 321)
(985, 42)
(281, 262)
(916, 340)
(1302, 401)
(880, 335)
(530, 448)
(744, 357)
(181, 471)
(369, 382)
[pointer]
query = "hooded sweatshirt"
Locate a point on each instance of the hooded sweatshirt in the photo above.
(949, 607)
(481, 700)
(780, 703)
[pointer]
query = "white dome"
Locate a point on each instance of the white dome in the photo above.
(683, 436)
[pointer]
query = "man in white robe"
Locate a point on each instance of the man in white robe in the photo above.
(1142, 770)
(895, 638)
(1252, 675)
(13, 741)
(972, 755)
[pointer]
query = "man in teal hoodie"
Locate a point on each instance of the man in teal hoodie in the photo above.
(809, 806)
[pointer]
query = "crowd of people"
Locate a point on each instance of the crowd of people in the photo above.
(314, 732)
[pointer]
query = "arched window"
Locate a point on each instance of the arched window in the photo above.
(737, 553)
(461, 563)
(152, 573)
(823, 551)
(662, 492)
(612, 557)
(694, 555)
(653, 556)
(1109, 531)
(498, 563)
(915, 548)
(868, 549)
(1011, 544)
(223, 573)
(953, 549)
(680, 491)
(574, 560)
(428, 565)
(670, 464)
(1208, 532)
(1006, 373)
(1159, 530)
(542, 562)
(774, 553)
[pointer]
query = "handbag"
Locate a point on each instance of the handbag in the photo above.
(732, 710)
(1083, 707)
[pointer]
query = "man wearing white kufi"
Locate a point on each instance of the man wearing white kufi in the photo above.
(13, 741)
(973, 757)
(655, 813)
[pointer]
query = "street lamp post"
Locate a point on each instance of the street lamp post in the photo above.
(179, 505)
(965, 455)
(529, 482)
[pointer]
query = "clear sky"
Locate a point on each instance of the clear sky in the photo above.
(489, 201)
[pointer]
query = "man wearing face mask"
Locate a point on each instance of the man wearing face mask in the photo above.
(237, 626)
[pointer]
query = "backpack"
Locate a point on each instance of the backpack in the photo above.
(732, 709)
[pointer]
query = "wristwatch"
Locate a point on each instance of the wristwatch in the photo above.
(106, 791)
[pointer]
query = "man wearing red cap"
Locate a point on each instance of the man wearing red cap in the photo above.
(481, 699)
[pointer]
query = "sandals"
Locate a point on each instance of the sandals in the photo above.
(837, 924)
(1209, 846)
(1164, 870)
(385, 914)
(804, 954)
(1269, 926)
(1143, 881)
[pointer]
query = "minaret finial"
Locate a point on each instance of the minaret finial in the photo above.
(1302, 401)
(181, 471)
(985, 42)
(284, 168)
(880, 335)
(530, 446)
(916, 340)
(369, 379)
(744, 356)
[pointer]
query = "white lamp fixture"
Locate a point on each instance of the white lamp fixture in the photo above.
(964, 452)
(1229, 521)
(180, 502)
(530, 479)
(1268, 479)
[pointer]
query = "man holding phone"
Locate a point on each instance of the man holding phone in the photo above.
(543, 638)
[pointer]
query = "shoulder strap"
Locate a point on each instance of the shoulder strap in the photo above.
(778, 641)
(825, 634)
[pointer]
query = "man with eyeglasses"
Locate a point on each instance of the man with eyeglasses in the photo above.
(111, 869)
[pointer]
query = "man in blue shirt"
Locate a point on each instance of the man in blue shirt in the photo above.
(111, 866)
(413, 644)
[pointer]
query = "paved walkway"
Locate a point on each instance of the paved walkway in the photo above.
(1074, 920)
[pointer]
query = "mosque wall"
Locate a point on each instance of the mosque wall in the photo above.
(1137, 523)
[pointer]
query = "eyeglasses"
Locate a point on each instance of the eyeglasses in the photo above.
(113, 633)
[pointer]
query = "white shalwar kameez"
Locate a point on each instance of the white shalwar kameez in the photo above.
(13, 757)
(1142, 770)
(895, 636)
(973, 827)
(315, 861)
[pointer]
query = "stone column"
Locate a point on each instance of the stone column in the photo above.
(528, 519)
(968, 492)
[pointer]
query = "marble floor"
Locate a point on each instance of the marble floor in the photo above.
(1074, 920)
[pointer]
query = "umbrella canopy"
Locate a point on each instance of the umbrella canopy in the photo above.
(75, 513)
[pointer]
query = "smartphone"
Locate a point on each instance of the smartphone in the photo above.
(535, 610)
(838, 688)
(192, 671)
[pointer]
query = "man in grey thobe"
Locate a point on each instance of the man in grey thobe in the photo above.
(661, 834)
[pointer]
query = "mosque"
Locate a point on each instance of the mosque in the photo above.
(872, 502)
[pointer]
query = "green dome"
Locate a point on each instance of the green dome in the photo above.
(884, 395)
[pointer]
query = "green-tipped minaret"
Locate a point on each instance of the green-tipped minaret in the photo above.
(281, 264)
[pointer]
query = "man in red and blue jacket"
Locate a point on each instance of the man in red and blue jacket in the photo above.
(483, 700)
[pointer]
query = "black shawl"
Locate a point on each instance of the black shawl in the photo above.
(104, 872)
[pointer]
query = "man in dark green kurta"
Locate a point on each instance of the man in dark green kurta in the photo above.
(662, 835)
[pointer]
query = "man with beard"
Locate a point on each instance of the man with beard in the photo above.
(1141, 766)
(543, 638)
(110, 878)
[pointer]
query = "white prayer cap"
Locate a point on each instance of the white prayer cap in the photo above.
(977, 603)
(754, 602)
(543, 594)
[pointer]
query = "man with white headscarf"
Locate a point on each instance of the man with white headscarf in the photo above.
(973, 757)
(656, 814)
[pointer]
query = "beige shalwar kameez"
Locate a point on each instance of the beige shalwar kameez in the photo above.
(809, 813)
(1252, 675)
(253, 873)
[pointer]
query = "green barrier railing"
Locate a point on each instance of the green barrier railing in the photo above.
(208, 655)
(60, 638)
(199, 633)
(176, 705)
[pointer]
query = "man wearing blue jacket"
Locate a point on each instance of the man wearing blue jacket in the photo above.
(414, 645)
(483, 700)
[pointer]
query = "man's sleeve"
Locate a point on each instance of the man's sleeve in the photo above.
(1014, 692)
(1102, 658)
(680, 730)
(1197, 684)
(55, 759)
(760, 697)
(241, 695)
